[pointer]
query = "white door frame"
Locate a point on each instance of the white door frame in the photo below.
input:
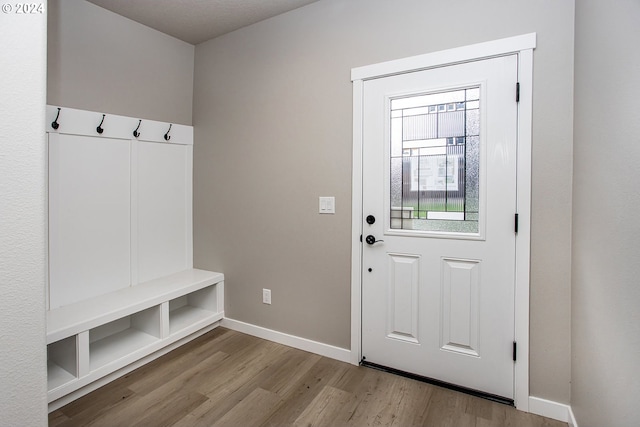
(522, 46)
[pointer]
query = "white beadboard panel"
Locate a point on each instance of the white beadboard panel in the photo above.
(134, 213)
(460, 314)
(164, 183)
(404, 280)
(89, 217)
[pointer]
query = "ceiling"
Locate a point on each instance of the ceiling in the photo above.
(196, 21)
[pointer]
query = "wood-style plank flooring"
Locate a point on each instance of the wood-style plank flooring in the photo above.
(226, 378)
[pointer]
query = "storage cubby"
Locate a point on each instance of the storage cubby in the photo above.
(123, 337)
(62, 362)
(106, 336)
(191, 309)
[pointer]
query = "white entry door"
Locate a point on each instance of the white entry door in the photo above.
(439, 204)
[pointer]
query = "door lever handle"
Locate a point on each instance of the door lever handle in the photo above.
(371, 239)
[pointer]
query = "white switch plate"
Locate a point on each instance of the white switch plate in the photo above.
(327, 205)
(266, 296)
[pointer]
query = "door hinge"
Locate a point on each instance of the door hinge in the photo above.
(515, 224)
(361, 238)
(518, 92)
(515, 351)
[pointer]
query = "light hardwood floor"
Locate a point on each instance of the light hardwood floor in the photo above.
(226, 378)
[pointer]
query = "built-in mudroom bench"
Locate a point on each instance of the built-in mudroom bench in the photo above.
(91, 339)
(122, 289)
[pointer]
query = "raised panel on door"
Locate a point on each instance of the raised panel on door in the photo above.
(460, 322)
(402, 312)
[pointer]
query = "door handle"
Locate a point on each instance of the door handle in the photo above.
(371, 239)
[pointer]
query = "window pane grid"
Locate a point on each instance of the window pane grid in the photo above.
(434, 161)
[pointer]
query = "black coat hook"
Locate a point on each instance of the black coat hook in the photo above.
(166, 135)
(99, 128)
(135, 132)
(55, 123)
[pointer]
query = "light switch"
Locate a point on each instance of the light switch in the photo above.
(327, 205)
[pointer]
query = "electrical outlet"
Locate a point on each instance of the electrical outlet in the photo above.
(266, 296)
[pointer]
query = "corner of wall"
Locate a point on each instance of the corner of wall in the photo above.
(23, 218)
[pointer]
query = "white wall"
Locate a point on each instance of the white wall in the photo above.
(605, 386)
(23, 375)
(100, 61)
(273, 131)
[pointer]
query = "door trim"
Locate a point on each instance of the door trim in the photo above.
(523, 46)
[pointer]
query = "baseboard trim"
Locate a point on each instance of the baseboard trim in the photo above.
(337, 353)
(572, 418)
(551, 409)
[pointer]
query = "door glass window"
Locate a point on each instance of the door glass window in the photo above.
(435, 157)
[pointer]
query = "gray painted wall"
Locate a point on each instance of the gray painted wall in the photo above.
(273, 131)
(23, 356)
(100, 61)
(605, 385)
